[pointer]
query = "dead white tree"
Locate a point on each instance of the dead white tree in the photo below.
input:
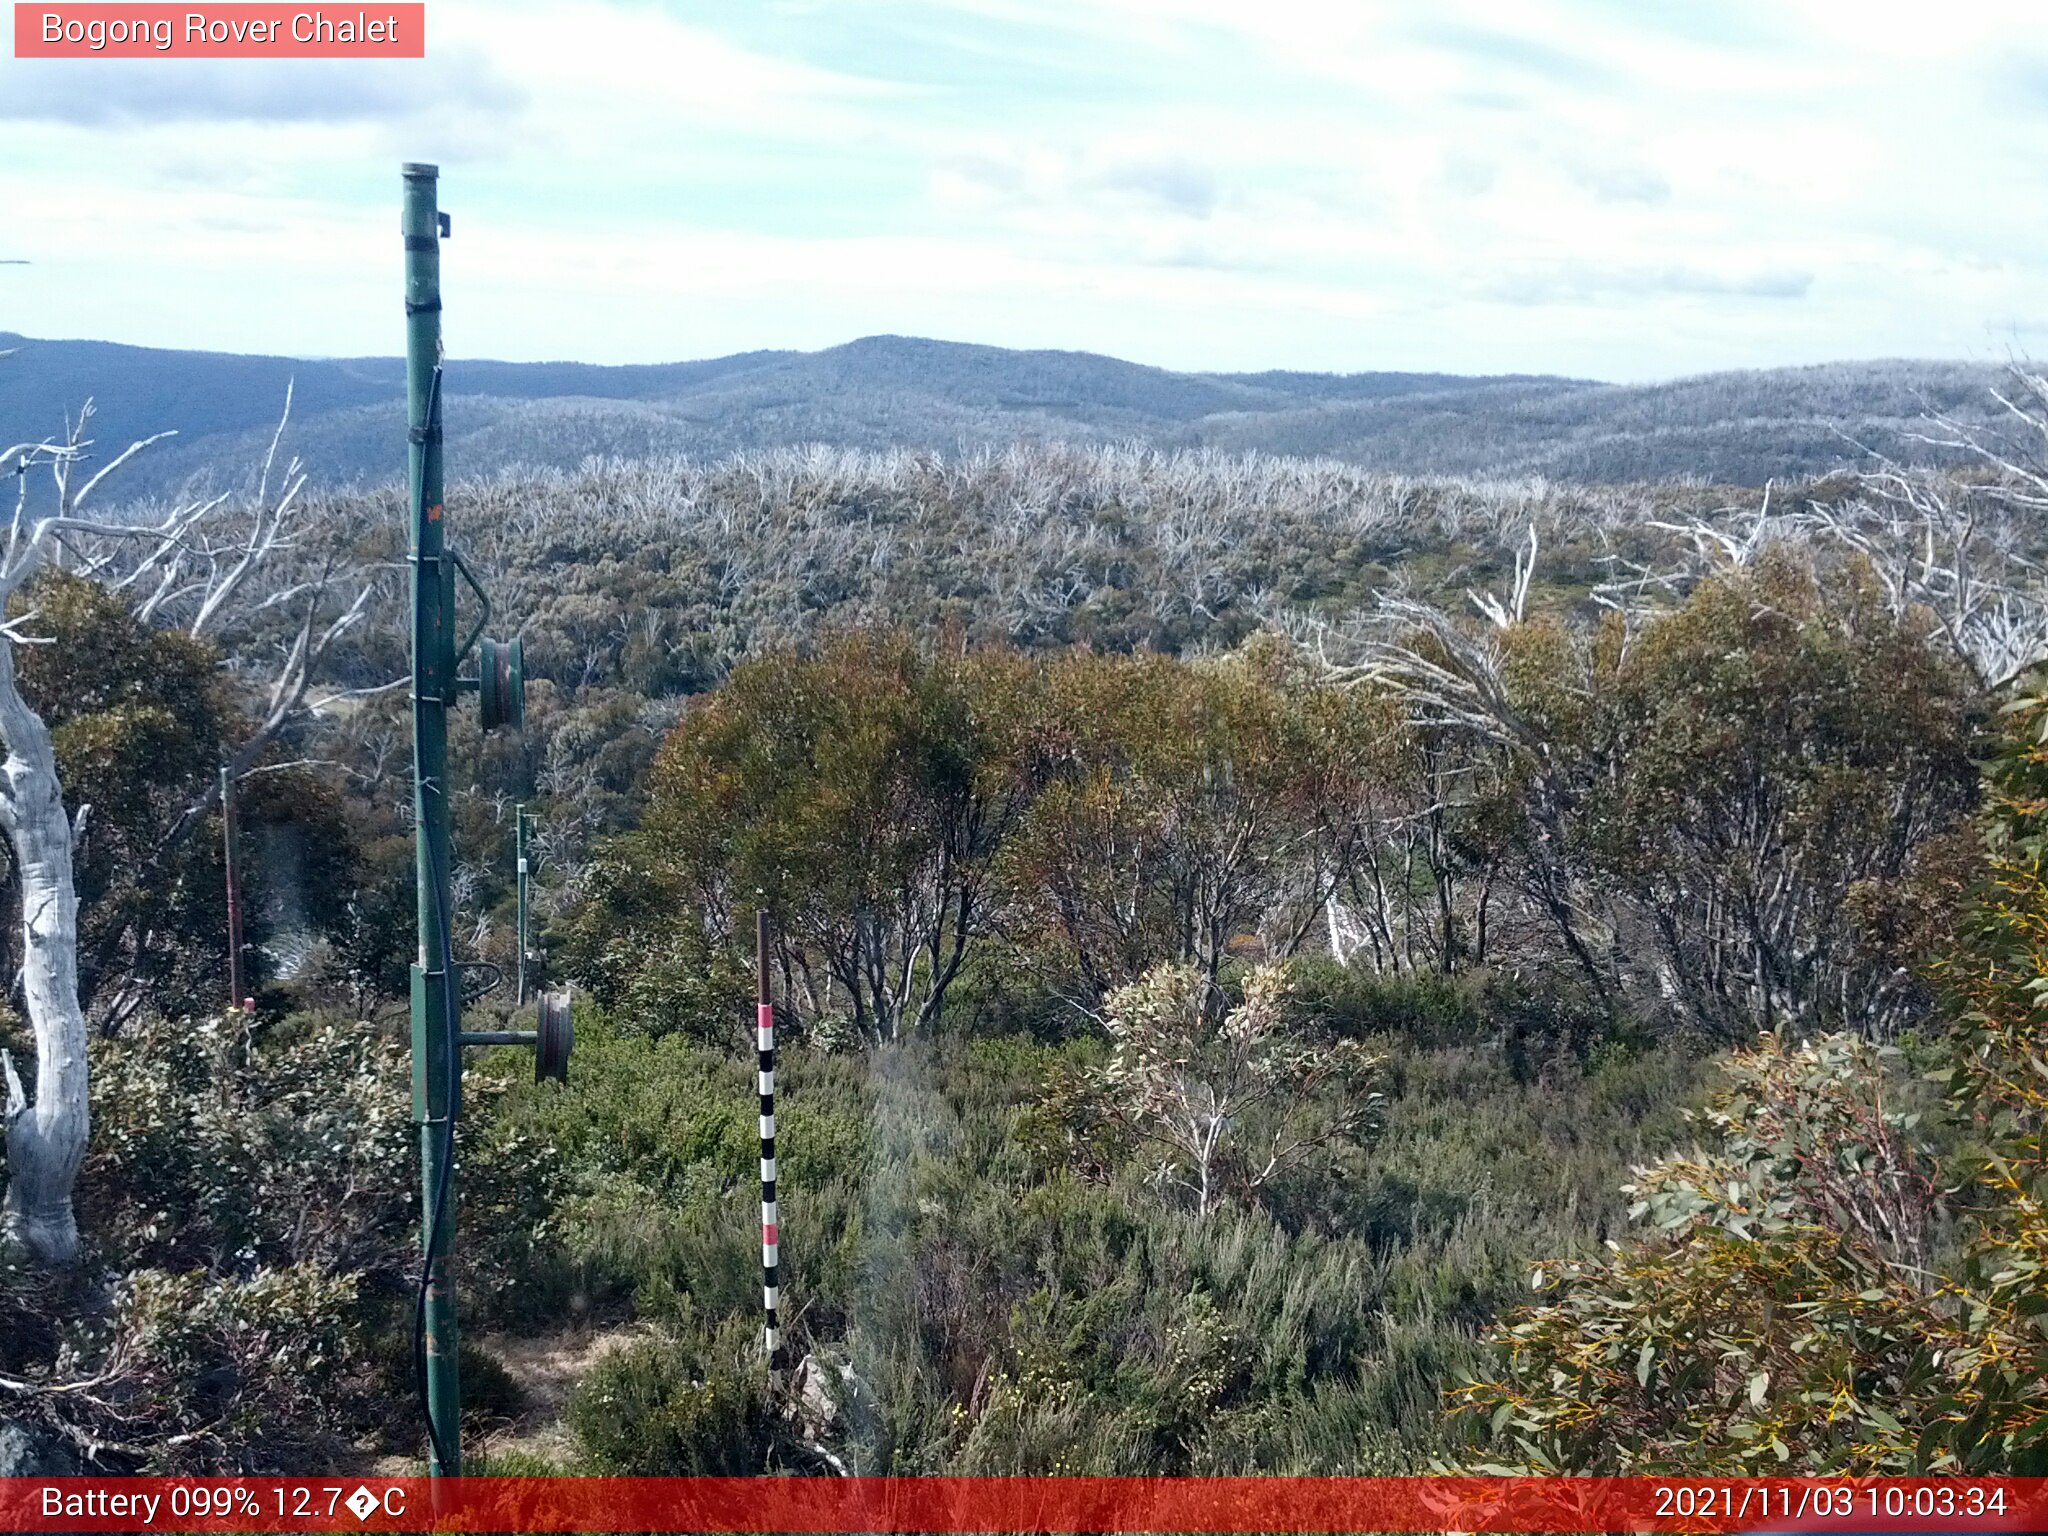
(1510, 611)
(1956, 553)
(46, 1138)
(1187, 1083)
(1962, 555)
(1451, 679)
(1963, 551)
(181, 556)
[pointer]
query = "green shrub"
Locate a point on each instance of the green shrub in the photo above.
(253, 1189)
(191, 1373)
(513, 1463)
(673, 1407)
(1835, 1281)
(1535, 1026)
(1425, 1008)
(490, 1397)
(1004, 1310)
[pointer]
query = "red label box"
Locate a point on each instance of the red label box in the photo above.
(961, 1506)
(102, 30)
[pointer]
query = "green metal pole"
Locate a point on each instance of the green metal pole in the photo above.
(519, 820)
(435, 1052)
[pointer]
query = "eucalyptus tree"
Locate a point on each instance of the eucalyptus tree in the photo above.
(1189, 812)
(1716, 806)
(861, 793)
(1812, 1247)
(199, 562)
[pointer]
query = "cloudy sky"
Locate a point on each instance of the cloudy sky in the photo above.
(1624, 189)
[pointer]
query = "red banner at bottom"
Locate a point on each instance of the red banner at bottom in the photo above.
(1026, 1504)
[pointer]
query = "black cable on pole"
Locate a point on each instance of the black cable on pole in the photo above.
(437, 1209)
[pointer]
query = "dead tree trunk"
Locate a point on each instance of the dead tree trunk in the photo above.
(45, 1140)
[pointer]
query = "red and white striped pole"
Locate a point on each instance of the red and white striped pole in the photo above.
(764, 1042)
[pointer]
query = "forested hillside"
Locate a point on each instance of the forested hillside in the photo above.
(1240, 922)
(888, 392)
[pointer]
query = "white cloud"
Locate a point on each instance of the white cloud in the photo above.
(165, 94)
(1582, 186)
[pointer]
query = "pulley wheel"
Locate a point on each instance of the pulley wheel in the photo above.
(501, 665)
(554, 1038)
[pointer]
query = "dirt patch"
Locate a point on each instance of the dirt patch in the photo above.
(546, 1370)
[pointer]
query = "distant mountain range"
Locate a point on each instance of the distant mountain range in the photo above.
(890, 391)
